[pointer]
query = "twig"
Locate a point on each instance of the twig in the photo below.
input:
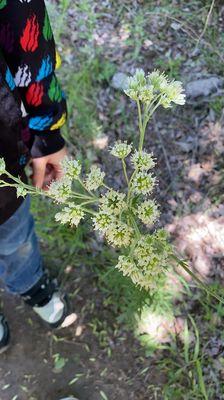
(206, 23)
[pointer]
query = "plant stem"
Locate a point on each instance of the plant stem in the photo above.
(88, 202)
(139, 117)
(81, 196)
(89, 211)
(82, 184)
(125, 171)
(106, 187)
(135, 226)
(147, 116)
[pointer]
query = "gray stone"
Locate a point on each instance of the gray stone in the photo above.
(204, 87)
(119, 81)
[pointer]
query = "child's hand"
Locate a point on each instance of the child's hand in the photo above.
(48, 168)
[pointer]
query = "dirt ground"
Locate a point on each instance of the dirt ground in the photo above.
(88, 370)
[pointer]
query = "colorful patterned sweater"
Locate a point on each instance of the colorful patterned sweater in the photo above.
(28, 63)
(32, 104)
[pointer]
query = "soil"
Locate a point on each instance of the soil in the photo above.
(110, 370)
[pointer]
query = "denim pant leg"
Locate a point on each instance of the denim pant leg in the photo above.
(20, 259)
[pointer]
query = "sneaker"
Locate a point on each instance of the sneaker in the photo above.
(4, 334)
(49, 303)
(56, 311)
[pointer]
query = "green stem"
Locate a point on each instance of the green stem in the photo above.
(89, 211)
(82, 184)
(88, 202)
(147, 117)
(125, 171)
(130, 188)
(81, 196)
(106, 187)
(135, 226)
(139, 118)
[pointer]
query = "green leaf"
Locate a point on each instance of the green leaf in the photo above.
(103, 395)
(3, 3)
(201, 380)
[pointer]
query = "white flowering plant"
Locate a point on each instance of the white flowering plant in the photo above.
(125, 218)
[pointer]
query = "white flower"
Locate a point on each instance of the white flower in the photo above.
(146, 94)
(142, 160)
(135, 84)
(71, 214)
(148, 212)
(152, 252)
(157, 79)
(21, 191)
(143, 183)
(121, 149)
(170, 91)
(113, 202)
(119, 235)
(60, 190)
(2, 166)
(137, 80)
(173, 92)
(127, 266)
(102, 221)
(95, 178)
(71, 168)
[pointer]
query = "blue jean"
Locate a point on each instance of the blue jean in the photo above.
(20, 260)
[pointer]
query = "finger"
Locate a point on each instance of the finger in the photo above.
(58, 174)
(39, 169)
(49, 177)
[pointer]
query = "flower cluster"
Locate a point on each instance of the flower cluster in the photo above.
(120, 234)
(95, 178)
(142, 161)
(143, 183)
(148, 262)
(60, 190)
(71, 168)
(144, 88)
(71, 214)
(148, 212)
(113, 202)
(121, 149)
(103, 220)
(139, 88)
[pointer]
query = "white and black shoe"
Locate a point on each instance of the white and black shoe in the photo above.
(49, 303)
(56, 312)
(4, 334)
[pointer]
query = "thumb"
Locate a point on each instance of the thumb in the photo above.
(39, 168)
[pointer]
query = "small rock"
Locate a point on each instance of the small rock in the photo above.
(203, 87)
(186, 147)
(175, 26)
(119, 81)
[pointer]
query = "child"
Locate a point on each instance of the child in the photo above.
(32, 110)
